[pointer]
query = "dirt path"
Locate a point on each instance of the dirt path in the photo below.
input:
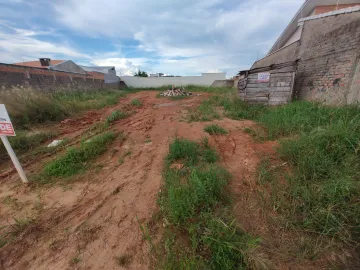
(90, 222)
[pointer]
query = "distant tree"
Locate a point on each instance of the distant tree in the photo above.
(141, 74)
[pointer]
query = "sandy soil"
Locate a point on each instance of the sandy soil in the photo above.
(98, 217)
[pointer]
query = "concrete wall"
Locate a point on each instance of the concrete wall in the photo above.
(37, 78)
(354, 92)
(111, 78)
(206, 79)
(295, 37)
(68, 66)
(286, 54)
(223, 83)
(328, 56)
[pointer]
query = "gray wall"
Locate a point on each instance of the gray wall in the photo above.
(68, 66)
(286, 54)
(44, 79)
(206, 79)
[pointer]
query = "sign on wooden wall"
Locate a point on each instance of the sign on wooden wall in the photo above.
(264, 77)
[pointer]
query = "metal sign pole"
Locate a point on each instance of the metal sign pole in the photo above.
(14, 159)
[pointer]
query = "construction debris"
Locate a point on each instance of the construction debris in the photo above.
(176, 92)
(55, 143)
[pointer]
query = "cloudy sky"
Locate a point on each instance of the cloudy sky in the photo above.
(178, 37)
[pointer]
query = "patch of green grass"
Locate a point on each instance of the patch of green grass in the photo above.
(124, 260)
(324, 187)
(191, 153)
(184, 150)
(323, 152)
(264, 175)
(136, 102)
(215, 129)
(193, 202)
(203, 189)
(208, 153)
(116, 115)
(74, 161)
(75, 260)
(207, 111)
(258, 134)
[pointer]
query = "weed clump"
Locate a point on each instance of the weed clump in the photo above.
(215, 129)
(194, 203)
(75, 159)
(116, 115)
(136, 102)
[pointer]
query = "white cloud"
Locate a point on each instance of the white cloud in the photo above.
(18, 44)
(123, 66)
(224, 34)
(175, 37)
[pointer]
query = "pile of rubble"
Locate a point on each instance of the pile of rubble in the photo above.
(176, 92)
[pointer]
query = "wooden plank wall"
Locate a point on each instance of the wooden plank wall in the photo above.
(277, 91)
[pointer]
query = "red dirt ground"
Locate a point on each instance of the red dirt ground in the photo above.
(97, 218)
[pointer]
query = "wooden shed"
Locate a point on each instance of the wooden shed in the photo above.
(270, 85)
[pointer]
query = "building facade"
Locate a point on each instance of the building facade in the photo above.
(324, 36)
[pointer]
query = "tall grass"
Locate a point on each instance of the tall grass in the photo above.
(322, 144)
(27, 106)
(195, 202)
(325, 184)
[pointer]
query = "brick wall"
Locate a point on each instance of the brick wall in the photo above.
(328, 52)
(285, 54)
(329, 8)
(12, 75)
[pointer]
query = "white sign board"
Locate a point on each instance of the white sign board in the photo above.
(264, 77)
(6, 128)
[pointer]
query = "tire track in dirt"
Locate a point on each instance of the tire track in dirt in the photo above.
(111, 204)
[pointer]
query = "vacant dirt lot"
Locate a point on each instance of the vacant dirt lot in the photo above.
(88, 223)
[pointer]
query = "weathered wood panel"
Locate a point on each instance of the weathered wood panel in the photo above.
(277, 91)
